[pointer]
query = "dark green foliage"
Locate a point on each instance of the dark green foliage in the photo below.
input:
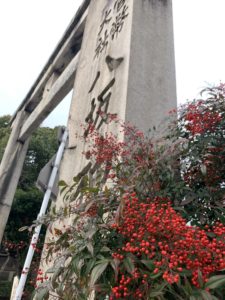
(201, 128)
(5, 290)
(27, 200)
(43, 146)
(4, 133)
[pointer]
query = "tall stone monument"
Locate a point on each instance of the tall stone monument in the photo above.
(126, 68)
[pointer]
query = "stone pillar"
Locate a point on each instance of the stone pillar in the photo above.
(151, 90)
(126, 67)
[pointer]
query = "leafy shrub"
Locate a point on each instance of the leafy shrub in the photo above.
(147, 213)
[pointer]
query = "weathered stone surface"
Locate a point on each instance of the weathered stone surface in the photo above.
(128, 44)
(151, 91)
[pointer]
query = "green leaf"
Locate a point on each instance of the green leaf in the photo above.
(90, 233)
(76, 179)
(220, 215)
(159, 290)
(149, 264)
(90, 265)
(62, 183)
(215, 282)
(88, 189)
(200, 279)
(107, 191)
(23, 228)
(203, 169)
(211, 234)
(105, 249)
(155, 276)
(90, 248)
(155, 294)
(129, 265)
(55, 276)
(185, 272)
(77, 263)
(186, 286)
(97, 272)
(115, 265)
(206, 295)
(65, 211)
(42, 293)
(51, 270)
(214, 297)
(62, 190)
(179, 209)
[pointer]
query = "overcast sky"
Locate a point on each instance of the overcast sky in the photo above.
(30, 30)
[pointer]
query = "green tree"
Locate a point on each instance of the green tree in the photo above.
(43, 146)
(27, 200)
(4, 133)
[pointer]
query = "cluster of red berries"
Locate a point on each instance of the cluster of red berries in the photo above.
(35, 275)
(40, 277)
(199, 121)
(14, 246)
(104, 148)
(212, 159)
(153, 231)
(36, 248)
(92, 211)
(124, 291)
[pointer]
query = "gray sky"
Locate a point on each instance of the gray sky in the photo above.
(30, 30)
